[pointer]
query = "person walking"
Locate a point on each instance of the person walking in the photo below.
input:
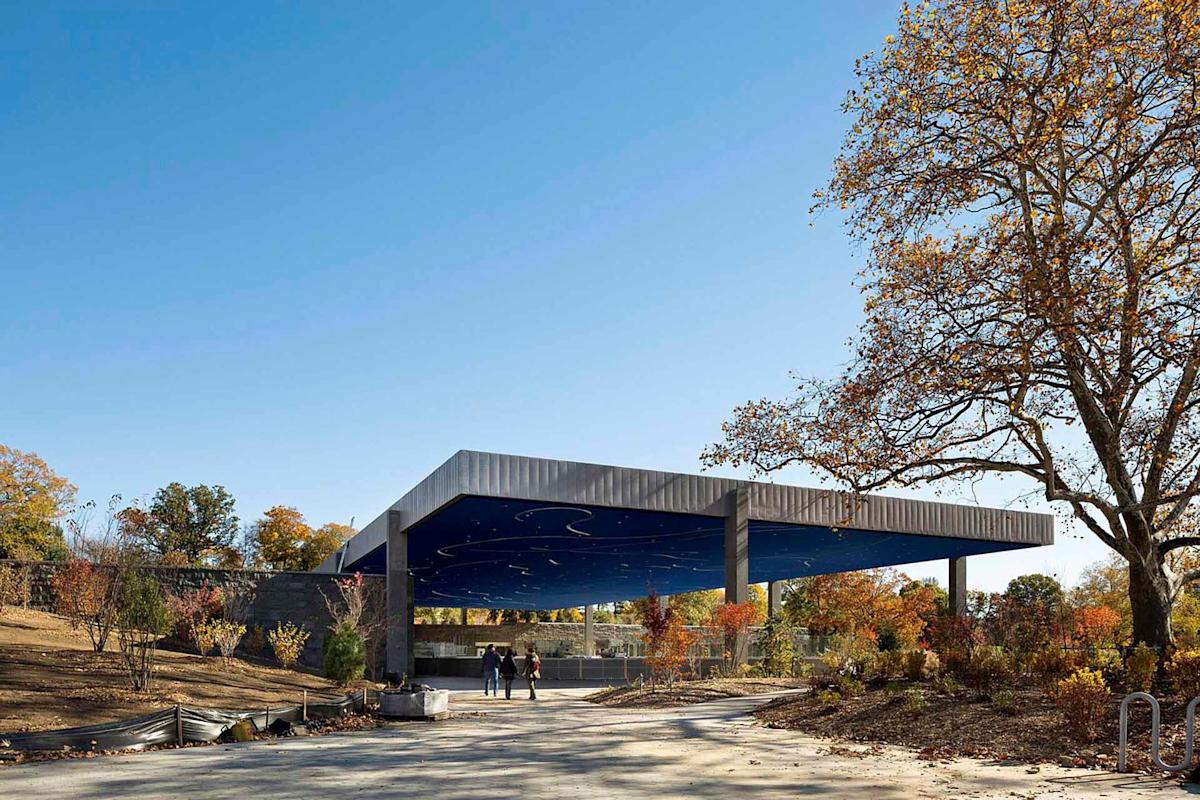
(533, 671)
(508, 671)
(491, 670)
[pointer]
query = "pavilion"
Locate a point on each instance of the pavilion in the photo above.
(486, 530)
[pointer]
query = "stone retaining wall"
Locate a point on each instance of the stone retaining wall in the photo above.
(273, 597)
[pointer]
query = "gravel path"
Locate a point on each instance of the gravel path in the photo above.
(559, 747)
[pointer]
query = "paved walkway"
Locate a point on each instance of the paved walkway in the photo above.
(558, 747)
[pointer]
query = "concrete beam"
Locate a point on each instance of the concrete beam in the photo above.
(774, 599)
(958, 586)
(399, 653)
(589, 646)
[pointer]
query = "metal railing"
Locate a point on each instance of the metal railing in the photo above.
(1155, 719)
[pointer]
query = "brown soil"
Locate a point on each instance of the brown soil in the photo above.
(50, 678)
(965, 724)
(688, 692)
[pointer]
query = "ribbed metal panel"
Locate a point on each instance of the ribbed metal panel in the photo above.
(469, 472)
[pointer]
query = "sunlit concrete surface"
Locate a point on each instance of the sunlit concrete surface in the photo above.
(560, 747)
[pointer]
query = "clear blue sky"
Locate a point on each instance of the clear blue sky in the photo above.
(307, 251)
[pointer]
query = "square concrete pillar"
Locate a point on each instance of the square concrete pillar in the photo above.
(399, 657)
(774, 599)
(958, 586)
(589, 646)
(737, 546)
(737, 561)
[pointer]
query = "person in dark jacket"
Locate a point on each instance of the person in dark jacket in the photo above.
(491, 670)
(533, 671)
(508, 671)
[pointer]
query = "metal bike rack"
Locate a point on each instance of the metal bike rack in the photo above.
(1155, 717)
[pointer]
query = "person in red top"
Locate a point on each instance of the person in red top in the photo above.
(532, 671)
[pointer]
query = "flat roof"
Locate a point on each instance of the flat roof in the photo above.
(488, 530)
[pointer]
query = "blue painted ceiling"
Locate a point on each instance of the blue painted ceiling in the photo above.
(482, 552)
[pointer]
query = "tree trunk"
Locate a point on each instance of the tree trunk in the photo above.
(1150, 599)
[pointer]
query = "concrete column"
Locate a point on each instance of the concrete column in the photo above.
(589, 646)
(462, 616)
(399, 599)
(737, 546)
(664, 601)
(958, 586)
(774, 599)
(737, 560)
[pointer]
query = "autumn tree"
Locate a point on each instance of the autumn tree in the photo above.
(323, 542)
(33, 500)
(279, 536)
(862, 604)
(733, 620)
(197, 522)
(1023, 177)
(283, 540)
(666, 639)
(85, 594)
(696, 608)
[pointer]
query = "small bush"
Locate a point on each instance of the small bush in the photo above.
(1005, 701)
(850, 655)
(947, 684)
(193, 608)
(86, 595)
(1184, 669)
(955, 663)
(14, 586)
(778, 648)
(143, 615)
(227, 635)
(1083, 700)
(256, 641)
(914, 701)
(343, 658)
(829, 699)
(1050, 665)
(206, 636)
(988, 667)
(1140, 667)
(849, 687)
(890, 664)
(287, 642)
(915, 665)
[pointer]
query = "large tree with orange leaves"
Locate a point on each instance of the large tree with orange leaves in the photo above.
(863, 603)
(1024, 178)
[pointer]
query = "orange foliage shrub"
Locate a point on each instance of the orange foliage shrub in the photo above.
(1097, 627)
(84, 594)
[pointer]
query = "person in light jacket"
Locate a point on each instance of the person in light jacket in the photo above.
(533, 671)
(491, 670)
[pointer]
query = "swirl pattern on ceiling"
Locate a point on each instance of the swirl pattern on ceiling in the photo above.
(484, 552)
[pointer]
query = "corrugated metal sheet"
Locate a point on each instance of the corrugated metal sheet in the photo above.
(469, 472)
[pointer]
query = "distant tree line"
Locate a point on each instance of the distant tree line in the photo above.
(179, 526)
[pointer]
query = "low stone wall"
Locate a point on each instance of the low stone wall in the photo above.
(273, 596)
